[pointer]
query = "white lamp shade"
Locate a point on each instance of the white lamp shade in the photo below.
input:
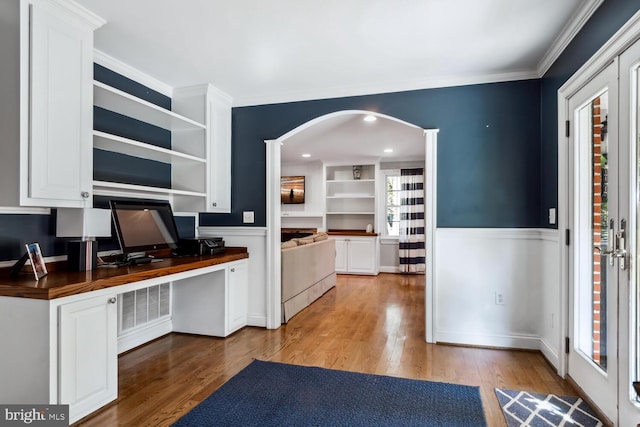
(83, 222)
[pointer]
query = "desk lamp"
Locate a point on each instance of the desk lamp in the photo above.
(86, 223)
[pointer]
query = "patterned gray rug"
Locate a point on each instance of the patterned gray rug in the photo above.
(525, 409)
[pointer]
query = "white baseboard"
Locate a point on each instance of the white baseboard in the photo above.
(390, 269)
(260, 321)
(140, 336)
(526, 342)
(551, 354)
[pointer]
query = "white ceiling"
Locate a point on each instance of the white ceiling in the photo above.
(266, 51)
(349, 138)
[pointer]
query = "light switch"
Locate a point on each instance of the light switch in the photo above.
(552, 215)
(247, 217)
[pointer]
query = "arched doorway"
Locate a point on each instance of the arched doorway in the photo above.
(274, 146)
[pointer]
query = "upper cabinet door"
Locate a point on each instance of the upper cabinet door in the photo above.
(219, 153)
(60, 160)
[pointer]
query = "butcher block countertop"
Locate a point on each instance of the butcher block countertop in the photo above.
(61, 283)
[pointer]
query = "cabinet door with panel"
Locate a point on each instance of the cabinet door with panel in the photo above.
(363, 255)
(57, 94)
(219, 130)
(237, 296)
(341, 254)
(88, 349)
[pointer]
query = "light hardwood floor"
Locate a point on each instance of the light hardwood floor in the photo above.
(365, 324)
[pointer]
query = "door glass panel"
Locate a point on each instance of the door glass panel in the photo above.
(634, 365)
(592, 289)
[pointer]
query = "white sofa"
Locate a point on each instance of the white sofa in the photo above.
(308, 271)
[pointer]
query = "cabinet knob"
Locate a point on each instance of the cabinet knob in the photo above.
(85, 194)
(232, 270)
(214, 204)
(112, 300)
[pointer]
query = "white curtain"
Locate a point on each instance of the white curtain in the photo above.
(412, 250)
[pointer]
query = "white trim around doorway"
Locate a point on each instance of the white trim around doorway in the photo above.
(273, 151)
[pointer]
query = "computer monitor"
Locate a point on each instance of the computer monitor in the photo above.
(144, 226)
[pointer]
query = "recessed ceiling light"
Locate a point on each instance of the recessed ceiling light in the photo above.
(370, 118)
(388, 150)
(306, 155)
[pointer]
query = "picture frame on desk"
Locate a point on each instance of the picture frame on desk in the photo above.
(37, 261)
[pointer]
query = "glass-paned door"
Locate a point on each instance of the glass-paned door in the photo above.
(592, 360)
(629, 317)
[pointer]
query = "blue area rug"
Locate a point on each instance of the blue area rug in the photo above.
(525, 409)
(276, 394)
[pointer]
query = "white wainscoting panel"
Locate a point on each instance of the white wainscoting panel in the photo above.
(472, 265)
(255, 240)
(551, 310)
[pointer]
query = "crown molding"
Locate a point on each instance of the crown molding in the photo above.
(126, 70)
(82, 12)
(579, 19)
(370, 89)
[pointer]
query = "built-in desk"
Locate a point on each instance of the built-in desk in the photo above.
(60, 334)
(66, 283)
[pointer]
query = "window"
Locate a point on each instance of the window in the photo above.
(391, 216)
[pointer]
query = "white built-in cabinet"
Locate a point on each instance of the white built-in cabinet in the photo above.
(211, 107)
(46, 108)
(357, 254)
(46, 116)
(200, 154)
(237, 297)
(88, 365)
(350, 205)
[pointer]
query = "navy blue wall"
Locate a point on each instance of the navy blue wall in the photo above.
(488, 149)
(609, 17)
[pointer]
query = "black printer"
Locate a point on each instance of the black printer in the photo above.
(200, 246)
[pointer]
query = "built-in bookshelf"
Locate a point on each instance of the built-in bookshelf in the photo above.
(350, 196)
(188, 191)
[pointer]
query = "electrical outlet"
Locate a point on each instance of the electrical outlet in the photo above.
(499, 298)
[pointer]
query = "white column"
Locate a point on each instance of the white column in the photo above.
(430, 174)
(274, 290)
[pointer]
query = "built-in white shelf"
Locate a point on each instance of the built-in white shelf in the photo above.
(351, 213)
(134, 189)
(301, 214)
(352, 196)
(130, 147)
(331, 181)
(112, 99)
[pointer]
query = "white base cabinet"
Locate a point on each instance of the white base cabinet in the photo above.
(237, 299)
(357, 254)
(60, 351)
(88, 346)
